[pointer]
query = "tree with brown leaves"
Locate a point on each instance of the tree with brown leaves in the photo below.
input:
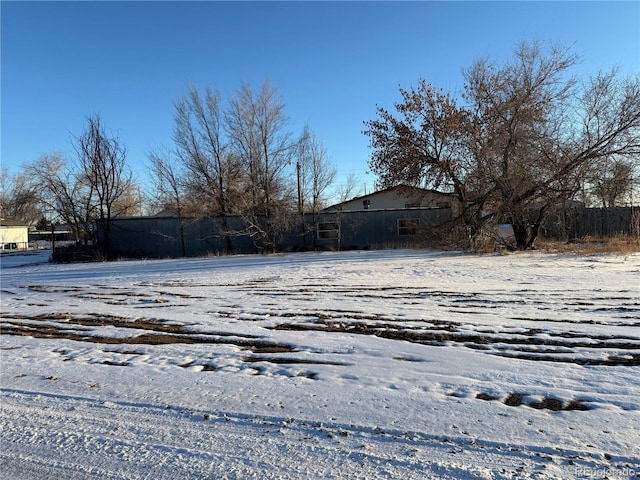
(519, 145)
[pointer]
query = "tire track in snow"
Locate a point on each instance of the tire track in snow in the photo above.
(82, 437)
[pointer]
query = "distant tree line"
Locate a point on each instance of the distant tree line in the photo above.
(525, 138)
(240, 160)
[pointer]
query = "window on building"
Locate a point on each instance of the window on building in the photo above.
(328, 230)
(408, 226)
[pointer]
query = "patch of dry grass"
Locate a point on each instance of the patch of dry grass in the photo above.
(621, 244)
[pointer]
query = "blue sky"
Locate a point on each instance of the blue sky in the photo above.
(332, 62)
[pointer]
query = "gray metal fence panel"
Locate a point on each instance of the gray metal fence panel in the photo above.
(597, 222)
(158, 237)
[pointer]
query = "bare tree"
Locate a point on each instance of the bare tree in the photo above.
(611, 182)
(64, 193)
(317, 174)
(349, 188)
(19, 198)
(169, 187)
(130, 203)
(519, 146)
(256, 125)
(102, 163)
(168, 182)
(203, 149)
(237, 162)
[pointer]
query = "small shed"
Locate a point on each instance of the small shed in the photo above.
(14, 235)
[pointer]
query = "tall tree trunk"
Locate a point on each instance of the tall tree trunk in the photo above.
(521, 234)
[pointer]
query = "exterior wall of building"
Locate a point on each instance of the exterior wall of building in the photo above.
(380, 228)
(160, 237)
(14, 237)
(397, 198)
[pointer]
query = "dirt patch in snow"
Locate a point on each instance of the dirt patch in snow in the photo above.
(524, 345)
(532, 344)
(150, 331)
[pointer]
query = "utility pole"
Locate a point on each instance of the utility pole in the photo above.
(300, 207)
(299, 188)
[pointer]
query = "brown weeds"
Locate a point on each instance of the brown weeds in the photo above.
(616, 244)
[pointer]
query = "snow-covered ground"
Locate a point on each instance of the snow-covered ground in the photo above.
(384, 364)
